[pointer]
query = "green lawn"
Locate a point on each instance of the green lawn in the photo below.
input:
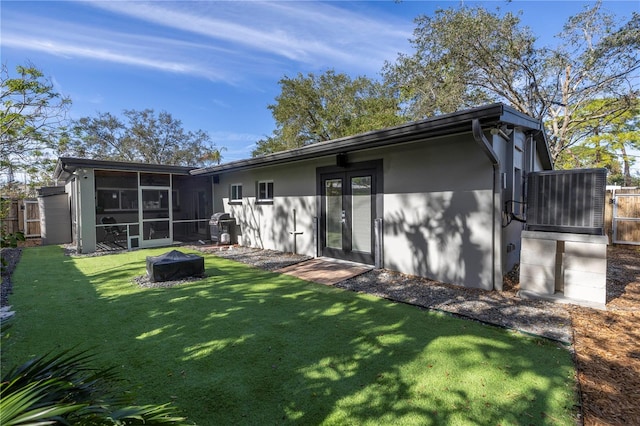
(246, 346)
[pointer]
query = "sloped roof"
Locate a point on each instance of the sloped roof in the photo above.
(68, 165)
(490, 116)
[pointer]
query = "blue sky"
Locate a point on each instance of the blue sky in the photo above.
(215, 65)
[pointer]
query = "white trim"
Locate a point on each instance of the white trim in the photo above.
(231, 186)
(267, 198)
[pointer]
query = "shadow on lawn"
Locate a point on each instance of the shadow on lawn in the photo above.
(246, 346)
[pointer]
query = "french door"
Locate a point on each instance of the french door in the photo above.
(348, 209)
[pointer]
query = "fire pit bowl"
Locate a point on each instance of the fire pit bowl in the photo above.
(174, 265)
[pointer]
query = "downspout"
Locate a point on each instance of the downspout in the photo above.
(486, 147)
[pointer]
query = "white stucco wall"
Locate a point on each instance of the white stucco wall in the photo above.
(268, 225)
(438, 211)
(87, 208)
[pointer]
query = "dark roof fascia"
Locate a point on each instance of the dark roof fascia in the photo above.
(489, 116)
(516, 118)
(542, 146)
(68, 165)
(47, 191)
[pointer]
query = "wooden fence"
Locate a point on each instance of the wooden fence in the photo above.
(22, 216)
(622, 215)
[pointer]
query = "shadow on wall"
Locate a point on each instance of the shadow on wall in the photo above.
(248, 221)
(441, 239)
(269, 225)
(283, 222)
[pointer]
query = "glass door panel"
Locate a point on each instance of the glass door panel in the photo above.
(156, 215)
(361, 219)
(334, 214)
(155, 203)
(348, 212)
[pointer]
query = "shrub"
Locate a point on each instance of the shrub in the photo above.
(63, 389)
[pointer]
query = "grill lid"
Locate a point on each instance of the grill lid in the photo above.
(217, 217)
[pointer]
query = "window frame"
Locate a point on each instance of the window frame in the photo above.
(119, 196)
(236, 200)
(133, 203)
(268, 196)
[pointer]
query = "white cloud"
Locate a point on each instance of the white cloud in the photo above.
(78, 41)
(71, 50)
(312, 33)
(221, 41)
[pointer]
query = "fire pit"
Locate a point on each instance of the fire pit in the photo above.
(174, 265)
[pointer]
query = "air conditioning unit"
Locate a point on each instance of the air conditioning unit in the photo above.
(570, 201)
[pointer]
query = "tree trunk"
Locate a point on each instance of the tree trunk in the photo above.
(627, 166)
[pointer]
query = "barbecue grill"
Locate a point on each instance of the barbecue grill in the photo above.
(223, 228)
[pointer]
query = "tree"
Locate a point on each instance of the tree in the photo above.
(32, 116)
(610, 143)
(465, 57)
(597, 61)
(315, 108)
(468, 56)
(143, 137)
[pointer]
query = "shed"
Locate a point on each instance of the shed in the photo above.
(55, 215)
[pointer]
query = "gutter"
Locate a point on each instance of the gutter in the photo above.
(486, 147)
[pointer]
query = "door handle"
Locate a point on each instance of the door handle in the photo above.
(343, 216)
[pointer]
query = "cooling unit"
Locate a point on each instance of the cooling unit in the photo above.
(569, 201)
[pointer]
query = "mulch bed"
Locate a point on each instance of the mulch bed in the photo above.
(10, 258)
(606, 343)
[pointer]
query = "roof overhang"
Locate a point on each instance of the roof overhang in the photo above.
(67, 166)
(490, 116)
(542, 147)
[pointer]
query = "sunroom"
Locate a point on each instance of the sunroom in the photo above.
(118, 205)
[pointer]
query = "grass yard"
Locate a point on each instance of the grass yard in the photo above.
(245, 346)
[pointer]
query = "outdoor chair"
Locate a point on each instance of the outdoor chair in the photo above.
(113, 233)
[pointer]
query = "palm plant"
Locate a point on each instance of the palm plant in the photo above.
(62, 389)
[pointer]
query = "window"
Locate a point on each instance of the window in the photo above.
(155, 199)
(108, 199)
(114, 199)
(265, 191)
(235, 193)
